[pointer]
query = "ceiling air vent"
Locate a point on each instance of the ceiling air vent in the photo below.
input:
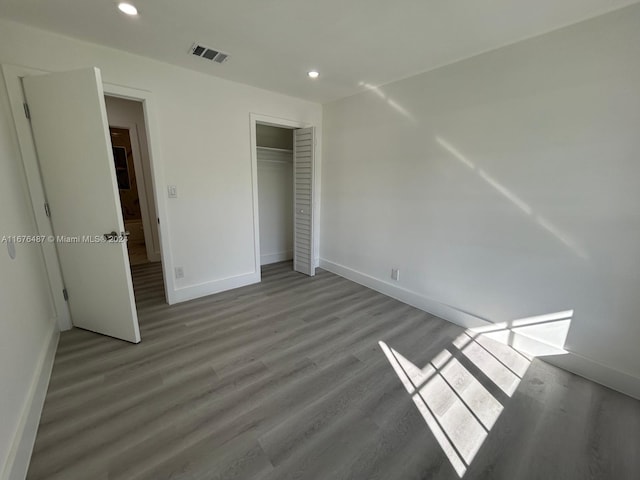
(208, 53)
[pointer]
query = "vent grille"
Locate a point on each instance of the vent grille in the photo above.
(208, 53)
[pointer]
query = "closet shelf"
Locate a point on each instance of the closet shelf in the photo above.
(275, 149)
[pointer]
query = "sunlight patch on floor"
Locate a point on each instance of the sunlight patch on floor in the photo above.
(463, 390)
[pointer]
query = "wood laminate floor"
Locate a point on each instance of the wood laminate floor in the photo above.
(287, 379)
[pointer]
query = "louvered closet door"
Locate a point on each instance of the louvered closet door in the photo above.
(303, 160)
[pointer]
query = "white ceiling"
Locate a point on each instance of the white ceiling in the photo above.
(273, 43)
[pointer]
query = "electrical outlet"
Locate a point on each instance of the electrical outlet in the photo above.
(179, 272)
(173, 191)
(395, 274)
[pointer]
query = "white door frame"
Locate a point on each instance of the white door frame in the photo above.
(12, 76)
(157, 176)
(274, 122)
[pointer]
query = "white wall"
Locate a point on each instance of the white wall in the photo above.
(275, 193)
(26, 309)
(504, 186)
(123, 113)
(204, 149)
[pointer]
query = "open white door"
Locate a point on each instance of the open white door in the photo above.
(71, 133)
(303, 166)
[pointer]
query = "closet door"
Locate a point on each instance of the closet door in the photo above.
(303, 166)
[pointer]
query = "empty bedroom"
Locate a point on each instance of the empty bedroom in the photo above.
(289, 239)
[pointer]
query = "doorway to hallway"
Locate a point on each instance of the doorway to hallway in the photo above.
(129, 194)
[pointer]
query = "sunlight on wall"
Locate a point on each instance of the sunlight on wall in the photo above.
(392, 103)
(463, 390)
(512, 197)
(539, 335)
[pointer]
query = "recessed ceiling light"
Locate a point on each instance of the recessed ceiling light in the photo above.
(313, 74)
(127, 8)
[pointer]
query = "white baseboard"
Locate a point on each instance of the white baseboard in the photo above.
(20, 454)
(190, 292)
(268, 258)
(602, 374)
(572, 362)
(415, 299)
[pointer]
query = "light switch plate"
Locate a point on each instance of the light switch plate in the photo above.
(173, 191)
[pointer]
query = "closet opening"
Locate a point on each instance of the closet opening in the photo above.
(274, 149)
(284, 157)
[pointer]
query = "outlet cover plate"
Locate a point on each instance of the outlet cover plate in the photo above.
(395, 274)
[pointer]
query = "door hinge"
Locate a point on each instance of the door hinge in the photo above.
(27, 112)
(47, 210)
(65, 294)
